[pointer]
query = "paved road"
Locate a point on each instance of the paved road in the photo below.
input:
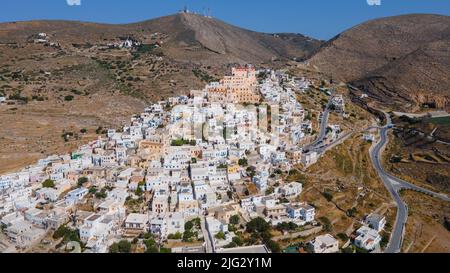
(323, 126)
(322, 149)
(206, 235)
(394, 185)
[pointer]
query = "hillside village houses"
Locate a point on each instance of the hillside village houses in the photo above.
(182, 155)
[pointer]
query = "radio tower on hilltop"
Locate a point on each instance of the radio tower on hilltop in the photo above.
(207, 12)
(185, 10)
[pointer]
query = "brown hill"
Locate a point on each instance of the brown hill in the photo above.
(85, 83)
(403, 58)
(187, 37)
(420, 77)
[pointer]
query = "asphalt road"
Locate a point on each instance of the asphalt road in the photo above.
(323, 126)
(394, 185)
(206, 235)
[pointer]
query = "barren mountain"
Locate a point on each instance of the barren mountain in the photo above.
(403, 58)
(421, 77)
(187, 37)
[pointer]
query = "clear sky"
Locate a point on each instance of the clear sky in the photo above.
(321, 19)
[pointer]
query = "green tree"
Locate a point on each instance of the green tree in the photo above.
(165, 250)
(188, 225)
(148, 236)
(234, 220)
(93, 190)
(82, 180)
(258, 224)
(48, 183)
(273, 246)
(139, 191)
(114, 248)
(124, 246)
(220, 235)
(188, 235)
(176, 236)
(151, 246)
(101, 194)
(243, 162)
(238, 241)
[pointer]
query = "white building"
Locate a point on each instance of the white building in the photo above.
(291, 190)
(175, 223)
(325, 244)
(76, 195)
(367, 238)
(301, 211)
(215, 226)
(137, 222)
(309, 158)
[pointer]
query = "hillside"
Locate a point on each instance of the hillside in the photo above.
(84, 75)
(404, 58)
(186, 37)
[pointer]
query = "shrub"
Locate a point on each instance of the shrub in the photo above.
(328, 195)
(48, 183)
(351, 212)
(101, 194)
(258, 225)
(273, 246)
(234, 220)
(243, 162)
(288, 226)
(327, 225)
(342, 236)
(121, 247)
(238, 241)
(188, 225)
(220, 235)
(81, 181)
(69, 98)
(176, 236)
(187, 235)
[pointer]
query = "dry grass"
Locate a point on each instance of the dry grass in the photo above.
(425, 231)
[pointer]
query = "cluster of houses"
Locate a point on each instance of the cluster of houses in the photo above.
(42, 38)
(367, 237)
(186, 155)
(123, 42)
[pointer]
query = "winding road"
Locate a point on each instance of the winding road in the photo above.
(323, 126)
(394, 185)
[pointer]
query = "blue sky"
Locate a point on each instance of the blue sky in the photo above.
(321, 19)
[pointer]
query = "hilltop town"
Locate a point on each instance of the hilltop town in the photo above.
(198, 173)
